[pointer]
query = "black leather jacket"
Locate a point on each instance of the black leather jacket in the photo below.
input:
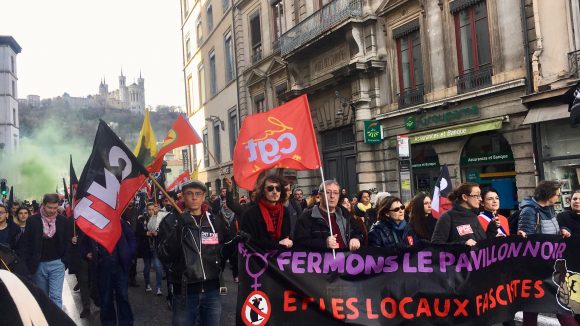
(190, 250)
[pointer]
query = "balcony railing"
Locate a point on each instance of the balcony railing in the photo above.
(574, 63)
(411, 96)
(276, 45)
(474, 79)
(256, 54)
(330, 15)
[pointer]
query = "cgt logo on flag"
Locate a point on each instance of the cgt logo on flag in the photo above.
(281, 138)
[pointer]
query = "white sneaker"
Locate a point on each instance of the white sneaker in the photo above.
(148, 288)
(159, 292)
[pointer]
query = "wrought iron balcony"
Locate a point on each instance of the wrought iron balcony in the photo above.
(256, 54)
(411, 96)
(474, 79)
(327, 17)
(574, 63)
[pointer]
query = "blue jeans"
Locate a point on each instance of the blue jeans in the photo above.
(205, 305)
(113, 284)
(50, 277)
(158, 269)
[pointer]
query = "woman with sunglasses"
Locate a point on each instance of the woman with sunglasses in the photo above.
(391, 230)
(460, 223)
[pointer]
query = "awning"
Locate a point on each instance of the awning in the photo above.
(547, 113)
(451, 131)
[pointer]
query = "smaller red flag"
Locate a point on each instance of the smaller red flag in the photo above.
(180, 134)
(280, 138)
(181, 179)
(440, 204)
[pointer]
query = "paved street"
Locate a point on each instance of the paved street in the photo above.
(148, 309)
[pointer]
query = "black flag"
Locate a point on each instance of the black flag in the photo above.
(73, 181)
(108, 183)
(574, 106)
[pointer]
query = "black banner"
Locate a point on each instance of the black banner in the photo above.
(433, 285)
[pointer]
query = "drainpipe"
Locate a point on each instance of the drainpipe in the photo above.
(539, 47)
(234, 38)
(530, 84)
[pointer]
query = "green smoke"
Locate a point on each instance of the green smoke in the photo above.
(42, 160)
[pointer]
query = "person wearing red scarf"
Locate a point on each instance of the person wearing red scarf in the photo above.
(268, 222)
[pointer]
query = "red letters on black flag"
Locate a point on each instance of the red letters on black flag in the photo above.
(109, 181)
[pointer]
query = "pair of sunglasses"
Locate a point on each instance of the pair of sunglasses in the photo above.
(271, 188)
(396, 209)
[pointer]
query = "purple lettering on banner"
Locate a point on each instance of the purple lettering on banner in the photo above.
(407, 268)
(374, 266)
(502, 251)
(391, 264)
(514, 250)
(547, 250)
(353, 268)
(560, 251)
(533, 251)
(314, 261)
(333, 265)
(298, 260)
(445, 259)
(283, 259)
(463, 262)
(424, 262)
(492, 258)
(477, 257)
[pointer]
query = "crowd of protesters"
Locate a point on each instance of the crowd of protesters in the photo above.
(190, 250)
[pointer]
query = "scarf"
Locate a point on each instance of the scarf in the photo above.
(362, 207)
(48, 223)
(486, 217)
(273, 216)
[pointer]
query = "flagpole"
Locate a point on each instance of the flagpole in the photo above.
(72, 204)
(165, 193)
(327, 209)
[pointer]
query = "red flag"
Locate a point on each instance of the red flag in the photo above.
(281, 138)
(180, 134)
(108, 183)
(440, 204)
(181, 179)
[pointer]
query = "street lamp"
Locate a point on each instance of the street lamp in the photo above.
(213, 118)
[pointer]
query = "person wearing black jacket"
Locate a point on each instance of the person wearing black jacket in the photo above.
(570, 220)
(268, 222)
(312, 228)
(460, 224)
(192, 245)
(44, 248)
(391, 231)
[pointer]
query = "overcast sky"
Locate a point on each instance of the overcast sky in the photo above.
(69, 45)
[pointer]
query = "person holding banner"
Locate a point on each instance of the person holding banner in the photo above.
(313, 230)
(268, 222)
(460, 223)
(391, 231)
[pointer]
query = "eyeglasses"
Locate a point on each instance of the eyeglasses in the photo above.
(475, 196)
(333, 193)
(272, 188)
(396, 209)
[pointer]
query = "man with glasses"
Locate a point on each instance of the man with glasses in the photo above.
(313, 230)
(192, 243)
(268, 222)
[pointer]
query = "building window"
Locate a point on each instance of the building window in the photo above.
(279, 19)
(233, 128)
(14, 89)
(259, 103)
(12, 64)
(14, 116)
(473, 50)
(229, 56)
(212, 74)
(279, 90)
(189, 96)
(201, 83)
(205, 148)
(199, 31)
(225, 4)
(216, 141)
(209, 13)
(187, 49)
(410, 69)
(256, 37)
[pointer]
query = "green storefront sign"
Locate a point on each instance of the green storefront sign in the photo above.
(451, 132)
(487, 159)
(426, 120)
(373, 132)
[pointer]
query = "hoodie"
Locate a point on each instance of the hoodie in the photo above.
(460, 224)
(537, 219)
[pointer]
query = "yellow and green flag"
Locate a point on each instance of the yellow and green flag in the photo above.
(146, 148)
